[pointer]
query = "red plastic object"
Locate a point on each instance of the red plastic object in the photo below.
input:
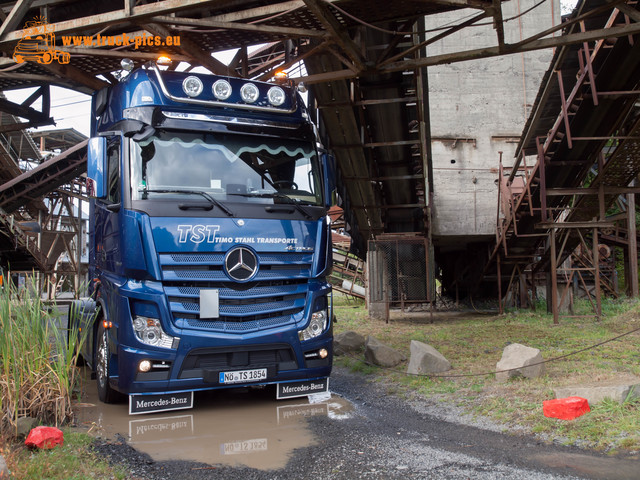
(565, 408)
(44, 437)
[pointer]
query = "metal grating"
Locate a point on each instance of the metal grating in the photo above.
(400, 270)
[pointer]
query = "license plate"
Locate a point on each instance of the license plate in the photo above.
(244, 446)
(242, 376)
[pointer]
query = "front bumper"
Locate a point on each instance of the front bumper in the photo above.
(199, 368)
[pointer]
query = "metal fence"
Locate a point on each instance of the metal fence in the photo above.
(401, 270)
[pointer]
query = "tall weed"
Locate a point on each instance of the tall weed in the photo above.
(37, 360)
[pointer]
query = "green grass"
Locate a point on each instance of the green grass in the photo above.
(75, 460)
(474, 342)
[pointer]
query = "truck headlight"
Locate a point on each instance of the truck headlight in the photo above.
(221, 89)
(150, 332)
(249, 93)
(192, 86)
(317, 325)
(276, 96)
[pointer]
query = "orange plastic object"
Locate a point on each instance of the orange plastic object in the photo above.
(565, 408)
(44, 437)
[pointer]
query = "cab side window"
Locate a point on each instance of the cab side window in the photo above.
(113, 171)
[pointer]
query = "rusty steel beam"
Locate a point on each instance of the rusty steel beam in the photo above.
(101, 52)
(433, 39)
(475, 54)
(498, 25)
(108, 19)
(388, 207)
(18, 11)
(44, 178)
(24, 110)
(193, 50)
(566, 225)
(340, 36)
(562, 192)
(246, 27)
(380, 179)
(76, 75)
(632, 250)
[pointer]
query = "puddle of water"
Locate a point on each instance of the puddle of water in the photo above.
(594, 467)
(229, 427)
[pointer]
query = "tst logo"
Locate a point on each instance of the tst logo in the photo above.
(197, 233)
(38, 44)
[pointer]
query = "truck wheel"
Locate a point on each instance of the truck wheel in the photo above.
(74, 322)
(46, 58)
(106, 394)
(80, 362)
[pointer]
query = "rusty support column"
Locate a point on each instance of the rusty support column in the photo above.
(554, 277)
(596, 273)
(543, 181)
(589, 66)
(565, 109)
(500, 309)
(523, 289)
(601, 205)
(457, 295)
(534, 293)
(632, 247)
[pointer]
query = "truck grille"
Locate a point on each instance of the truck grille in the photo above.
(276, 296)
(279, 357)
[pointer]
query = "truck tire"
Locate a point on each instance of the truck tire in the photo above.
(106, 394)
(46, 58)
(73, 321)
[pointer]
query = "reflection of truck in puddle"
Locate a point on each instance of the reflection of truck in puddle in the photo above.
(246, 431)
(38, 45)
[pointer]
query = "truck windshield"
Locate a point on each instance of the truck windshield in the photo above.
(228, 167)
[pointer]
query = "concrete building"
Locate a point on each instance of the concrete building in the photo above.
(478, 109)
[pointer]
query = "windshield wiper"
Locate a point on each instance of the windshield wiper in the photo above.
(208, 197)
(288, 200)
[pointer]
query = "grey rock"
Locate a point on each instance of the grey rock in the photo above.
(426, 359)
(4, 470)
(380, 354)
(596, 393)
(24, 425)
(519, 357)
(347, 342)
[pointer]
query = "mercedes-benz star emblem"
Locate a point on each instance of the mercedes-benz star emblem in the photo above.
(241, 264)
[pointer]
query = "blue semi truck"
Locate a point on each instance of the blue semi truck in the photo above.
(209, 241)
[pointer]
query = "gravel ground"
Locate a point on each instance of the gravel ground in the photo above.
(389, 438)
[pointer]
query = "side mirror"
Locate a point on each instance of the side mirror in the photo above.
(329, 167)
(97, 167)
